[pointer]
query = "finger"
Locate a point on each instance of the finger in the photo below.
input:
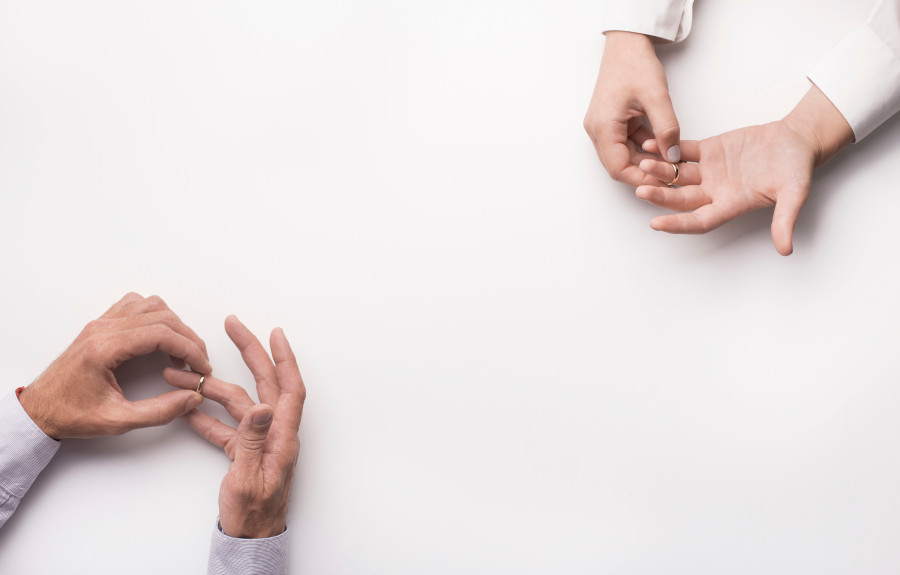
(166, 317)
(664, 125)
(177, 362)
(210, 428)
(154, 411)
(293, 391)
(638, 132)
(684, 199)
(232, 397)
(688, 173)
(703, 219)
(117, 308)
(121, 346)
(256, 358)
(690, 149)
(787, 210)
(611, 141)
(251, 438)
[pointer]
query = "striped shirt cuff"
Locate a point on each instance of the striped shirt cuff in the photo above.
(25, 450)
(233, 556)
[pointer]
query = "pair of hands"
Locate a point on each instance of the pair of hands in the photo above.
(726, 175)
(78, 396)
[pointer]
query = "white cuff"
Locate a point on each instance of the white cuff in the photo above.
(25, 450)
(668, 20)
(861, 77)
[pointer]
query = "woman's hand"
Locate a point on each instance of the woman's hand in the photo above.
(748, 169)
(631, 85)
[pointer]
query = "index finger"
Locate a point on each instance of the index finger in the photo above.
(124, 345)
(256, 358)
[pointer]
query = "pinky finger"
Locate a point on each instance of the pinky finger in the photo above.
(210, 428)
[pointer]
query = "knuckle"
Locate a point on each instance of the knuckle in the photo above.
(156, 303)
(166, 316)
(667, 129)
(93, 327)
(93, 347)
(159, 330)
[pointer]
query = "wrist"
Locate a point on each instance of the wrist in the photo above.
(249, 529)
(38, 410)
(817, 121)
(631, 40)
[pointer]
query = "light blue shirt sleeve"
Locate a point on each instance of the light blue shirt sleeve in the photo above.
(232, 556)
(25, 451)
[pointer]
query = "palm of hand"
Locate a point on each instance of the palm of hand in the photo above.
(750, 168)
(732, 174)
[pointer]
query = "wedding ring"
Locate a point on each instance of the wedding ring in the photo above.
(200, 385)
(675, 179)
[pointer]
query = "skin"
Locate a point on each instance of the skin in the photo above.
(748, 169)
(631, 87)
(253, 498)
(78, 395)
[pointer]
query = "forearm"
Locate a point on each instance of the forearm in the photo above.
(24, 452)
(816, 119)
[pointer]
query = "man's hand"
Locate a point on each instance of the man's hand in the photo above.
(631, 85)
(748, 169)
(78, 395)
(253, 498)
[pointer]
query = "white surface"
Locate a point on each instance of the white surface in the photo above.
(508, 370)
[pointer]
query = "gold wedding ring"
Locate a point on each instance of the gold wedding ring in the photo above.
(675, 179)
(200, 385)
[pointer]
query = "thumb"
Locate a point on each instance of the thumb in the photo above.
(159, 410)
(665, 126)
(787, 210)
(252, 433)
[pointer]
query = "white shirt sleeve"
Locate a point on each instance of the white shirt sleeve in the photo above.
(232, 556)
(665, 20)
(25, 451)
(861, 75)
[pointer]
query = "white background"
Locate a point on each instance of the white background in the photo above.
(508, 370)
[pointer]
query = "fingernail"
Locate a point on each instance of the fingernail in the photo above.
(262, 419)
(674, 154)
